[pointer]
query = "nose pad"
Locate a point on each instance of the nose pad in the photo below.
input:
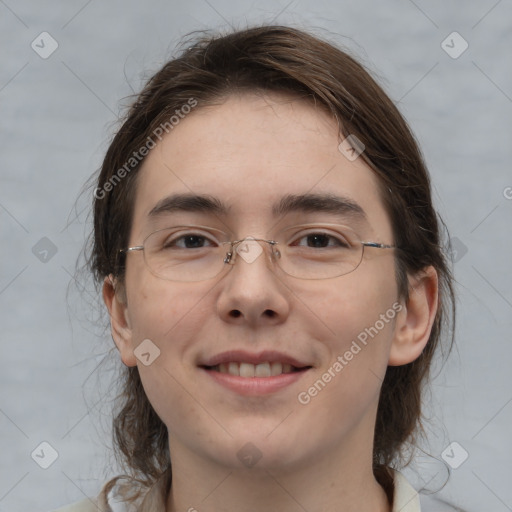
(250, 249)
(252, 295)
(229, 258)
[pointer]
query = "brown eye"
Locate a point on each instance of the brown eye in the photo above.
(188, 241)
(317, 240)
(320, 241)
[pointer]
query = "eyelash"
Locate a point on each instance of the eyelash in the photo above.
(340, 241)
(174, 242)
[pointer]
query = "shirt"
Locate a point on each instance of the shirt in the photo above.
(405, 499)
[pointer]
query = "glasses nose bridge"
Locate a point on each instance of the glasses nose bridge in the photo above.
(250, 251)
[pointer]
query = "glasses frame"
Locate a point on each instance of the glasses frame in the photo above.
(230, 257)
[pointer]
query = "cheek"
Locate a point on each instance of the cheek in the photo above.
(360, 313)
(164, 310)
(355, 302)
(171, 315)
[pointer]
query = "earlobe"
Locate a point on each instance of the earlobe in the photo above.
(119, 320)
(415, 320)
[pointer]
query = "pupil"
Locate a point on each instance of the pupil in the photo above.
(318, 241)
(192, 242)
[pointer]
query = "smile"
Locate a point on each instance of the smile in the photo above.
(248, 373)
(248, 370)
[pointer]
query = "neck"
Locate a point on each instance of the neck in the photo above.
(340, 480)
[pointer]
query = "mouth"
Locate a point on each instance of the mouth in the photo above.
(249, 370)
(252, 374)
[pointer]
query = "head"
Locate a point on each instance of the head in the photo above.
(251, 122)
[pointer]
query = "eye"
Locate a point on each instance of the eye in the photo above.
(320, 240)
(188, 241)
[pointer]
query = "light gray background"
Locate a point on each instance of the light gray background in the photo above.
(56, 117)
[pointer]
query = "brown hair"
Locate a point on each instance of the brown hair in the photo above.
(279, 59)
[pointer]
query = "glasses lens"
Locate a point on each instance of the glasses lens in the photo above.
(197, 253)
(185, 253)
(319, 252)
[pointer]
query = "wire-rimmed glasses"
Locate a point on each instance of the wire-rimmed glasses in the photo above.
(308, 251)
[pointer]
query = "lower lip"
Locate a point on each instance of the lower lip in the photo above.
(251, 386)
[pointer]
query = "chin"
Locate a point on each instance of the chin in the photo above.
(262, 449)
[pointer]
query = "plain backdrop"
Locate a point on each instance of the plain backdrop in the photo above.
(57, 115)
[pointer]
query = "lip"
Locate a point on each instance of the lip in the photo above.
(242, 356)
(251, 386)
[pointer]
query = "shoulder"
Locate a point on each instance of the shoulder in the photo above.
(125, 494)
(86, 505)
(405, 497)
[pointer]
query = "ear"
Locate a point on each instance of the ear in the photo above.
(115, 300)
(414, 322)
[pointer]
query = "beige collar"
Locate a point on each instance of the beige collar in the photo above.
(405, 498)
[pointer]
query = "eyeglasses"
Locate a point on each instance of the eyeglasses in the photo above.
(199, 253)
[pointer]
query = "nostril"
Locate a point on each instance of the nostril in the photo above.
(270, 313)
(235, 313)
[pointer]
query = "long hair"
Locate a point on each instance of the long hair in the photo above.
(290, 61)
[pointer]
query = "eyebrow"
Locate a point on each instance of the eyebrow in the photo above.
(188, 203)
(311, 203)
(307, 203)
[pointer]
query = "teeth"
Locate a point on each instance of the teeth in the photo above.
(262, 370)
(250, 370)
(246, 369)
(276, 369)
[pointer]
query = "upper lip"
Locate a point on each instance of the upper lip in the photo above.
(242, 356)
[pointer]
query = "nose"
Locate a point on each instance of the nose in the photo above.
(252, 292)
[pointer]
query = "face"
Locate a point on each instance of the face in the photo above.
(250, 154)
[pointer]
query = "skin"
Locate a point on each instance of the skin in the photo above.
(249, 151)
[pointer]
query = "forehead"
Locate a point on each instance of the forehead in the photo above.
(250, 152)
